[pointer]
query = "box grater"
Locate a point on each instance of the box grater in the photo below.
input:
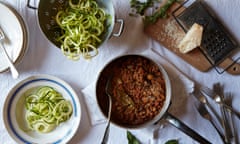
(217, 43)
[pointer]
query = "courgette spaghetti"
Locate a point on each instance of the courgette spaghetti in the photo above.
(83, 24)
(46, 109)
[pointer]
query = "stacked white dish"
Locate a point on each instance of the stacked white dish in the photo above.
(16, 33)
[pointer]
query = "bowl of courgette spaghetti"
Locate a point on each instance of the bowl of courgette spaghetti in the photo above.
(42, 109)
(77, 27)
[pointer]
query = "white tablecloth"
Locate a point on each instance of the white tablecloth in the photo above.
(43, 58)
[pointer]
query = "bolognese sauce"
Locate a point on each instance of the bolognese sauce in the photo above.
(137, 89)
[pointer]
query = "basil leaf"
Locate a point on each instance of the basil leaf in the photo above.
(173, 141)
(132, 139)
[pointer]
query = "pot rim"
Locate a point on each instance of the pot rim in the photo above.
(166, 103)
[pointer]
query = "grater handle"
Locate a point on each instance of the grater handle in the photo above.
(234, 67)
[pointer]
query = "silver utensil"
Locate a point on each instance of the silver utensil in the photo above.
(184, 128)
(107, 90)
(205, 114)
(217, 99)
(228, 100)
(4, 53)
(228, 132)
(202, 99)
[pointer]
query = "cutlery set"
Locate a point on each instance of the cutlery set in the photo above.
(223, 122)
(220, 97)
(205, 114)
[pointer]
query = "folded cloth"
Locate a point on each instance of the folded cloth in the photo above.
(94, 112)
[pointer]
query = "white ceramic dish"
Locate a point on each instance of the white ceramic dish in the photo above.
(14, 32)
(14, 111)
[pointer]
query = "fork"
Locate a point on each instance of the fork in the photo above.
(217, 99)
(205, 114)
(228, 100)
(227, 130)
(4, 52)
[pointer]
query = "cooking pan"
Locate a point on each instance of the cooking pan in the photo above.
(47, 10)
(103, 101)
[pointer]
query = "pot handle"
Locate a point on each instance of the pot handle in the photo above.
(183, 127)
(121, 22)
(30, 6)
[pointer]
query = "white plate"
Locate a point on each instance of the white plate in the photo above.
(13, 30)
(13, 112)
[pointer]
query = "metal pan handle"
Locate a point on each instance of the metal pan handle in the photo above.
(121, 22)
(183, 127)
(30, 6)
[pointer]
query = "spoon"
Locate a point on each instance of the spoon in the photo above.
(205, 114)
(107, 90)
(217, 99)
(202, 99)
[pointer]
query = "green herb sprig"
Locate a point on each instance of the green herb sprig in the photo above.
(161, 13)
(173, 141)
(132, 139)
(141, 7)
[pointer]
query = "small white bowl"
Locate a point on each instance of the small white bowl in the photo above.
(14, 112)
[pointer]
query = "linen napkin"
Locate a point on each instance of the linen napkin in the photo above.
(94, 112)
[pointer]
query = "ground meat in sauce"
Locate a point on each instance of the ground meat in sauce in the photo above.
(138, 90)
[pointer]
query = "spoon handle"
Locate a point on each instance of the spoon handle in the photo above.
(232, 110)
(12, 67)
(106, 134)
(218, 131)
(183, 127)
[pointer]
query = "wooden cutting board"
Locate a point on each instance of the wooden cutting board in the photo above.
(168, 33)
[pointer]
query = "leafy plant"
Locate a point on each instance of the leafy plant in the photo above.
(161, 13)
(132, 139)
(141, 7)
(173, 141)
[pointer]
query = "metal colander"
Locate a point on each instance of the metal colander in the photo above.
(47, 10)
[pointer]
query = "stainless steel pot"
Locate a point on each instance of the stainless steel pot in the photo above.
(163, 114)
(47, 10)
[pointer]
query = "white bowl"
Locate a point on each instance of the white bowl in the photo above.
(14, 112)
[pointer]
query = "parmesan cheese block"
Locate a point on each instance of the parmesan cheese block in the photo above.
(192, 39)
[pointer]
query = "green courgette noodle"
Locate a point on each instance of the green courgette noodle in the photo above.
(46, 109)
(82, 24)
